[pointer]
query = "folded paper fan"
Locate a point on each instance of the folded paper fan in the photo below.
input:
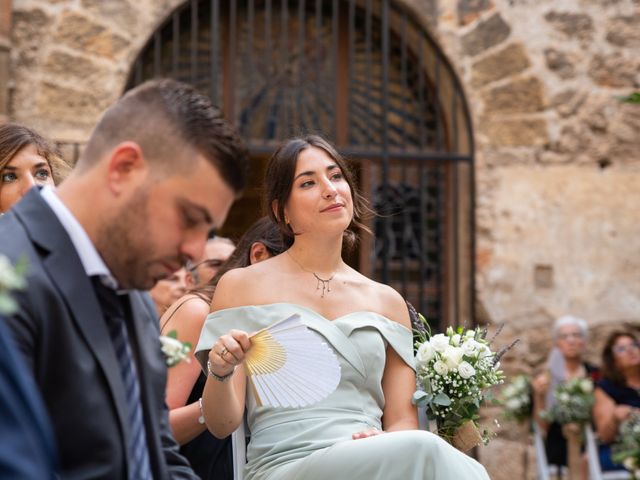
(288, 365)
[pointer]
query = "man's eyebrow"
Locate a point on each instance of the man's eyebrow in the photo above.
(187, 204)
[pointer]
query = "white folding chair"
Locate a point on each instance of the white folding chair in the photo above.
(593, 457)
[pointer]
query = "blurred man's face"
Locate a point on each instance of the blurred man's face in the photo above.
(215, 254)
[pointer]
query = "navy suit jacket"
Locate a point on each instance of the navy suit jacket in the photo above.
(27, 450)
(62, 334)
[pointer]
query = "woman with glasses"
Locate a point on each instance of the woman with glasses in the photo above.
(565, 363)
(618, 393)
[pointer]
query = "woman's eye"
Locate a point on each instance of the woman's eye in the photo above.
(337, 176)
(306, 184)
(43, 174)
(8, 177)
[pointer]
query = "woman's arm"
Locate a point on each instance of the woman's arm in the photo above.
(187, 321)
(607, 415)
(223, 401)
(540, 386)
(398, 380)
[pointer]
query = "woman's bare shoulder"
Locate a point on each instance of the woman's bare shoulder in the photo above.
(389, 303)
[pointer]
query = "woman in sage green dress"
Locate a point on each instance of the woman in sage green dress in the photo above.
(365, 429)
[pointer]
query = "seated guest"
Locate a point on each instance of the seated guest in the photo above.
(168, 290)
(367, 428)
(565, 363)
(618, 393)
(210, 458)
(216, 252)
(26, 159)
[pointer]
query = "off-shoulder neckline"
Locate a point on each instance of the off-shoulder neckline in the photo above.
(315, 312)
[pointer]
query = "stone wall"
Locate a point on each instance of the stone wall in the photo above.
(557, 158)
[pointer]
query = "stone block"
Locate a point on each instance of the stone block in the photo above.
(614, 71)
(486, 34)
(519, 96)
(624, 32)
(469, 10)
(79, 32)
(573, 25)
(117, 11)
(509, 61)
(506, 460)
(561, 63)
(516, 132)
(568, 102)
(74, 67)
(67, 104)
(29, 27)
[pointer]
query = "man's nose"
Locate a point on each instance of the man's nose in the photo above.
(193, 245)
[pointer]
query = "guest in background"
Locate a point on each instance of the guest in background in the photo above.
(216, 252)
(26, 159)
(566, 362)
(210, 457)
(618, 393)
(166, 291)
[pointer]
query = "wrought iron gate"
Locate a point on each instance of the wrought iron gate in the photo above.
(366, 75)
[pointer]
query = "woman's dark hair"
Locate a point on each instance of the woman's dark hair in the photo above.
(14, 137)
(279, 182)
(609, 369)
(264, 231)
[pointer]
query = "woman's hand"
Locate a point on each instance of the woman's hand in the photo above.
(621, 412)
(228, 352)
(372, 432)
(540, 385)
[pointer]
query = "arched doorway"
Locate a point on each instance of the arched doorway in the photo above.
(366, 75)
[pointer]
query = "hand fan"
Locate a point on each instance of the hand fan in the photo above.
(288, 365)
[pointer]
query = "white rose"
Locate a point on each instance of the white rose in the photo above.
(455, 340)
(449, 331)
(425, 353)
(440, 367)
(439, 342)
(171, 347)
(628, 463)
(470, 347)
(452, 356)
(586, 385)
(564, 397)
(512, 404)
(485, 351)
(466, 370)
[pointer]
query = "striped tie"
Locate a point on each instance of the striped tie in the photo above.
(112, 305)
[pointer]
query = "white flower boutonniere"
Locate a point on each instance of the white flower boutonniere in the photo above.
(11, 278)
(174, 350)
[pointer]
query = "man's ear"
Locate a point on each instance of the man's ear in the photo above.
(258, 252)
(126, 166)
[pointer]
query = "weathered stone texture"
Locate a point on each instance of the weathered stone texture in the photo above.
(485, 35)
(624, 31)
(516, 132)
(126, 14)
(509, 61)
(64, 64)
(506, 460)
(615, 70)
(79, 32)
(519, 96)
(469, 10)
(573, 25)
(560, 63)
(29, 29)
(70, 105)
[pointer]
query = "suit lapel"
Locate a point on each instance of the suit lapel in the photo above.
(62, 264)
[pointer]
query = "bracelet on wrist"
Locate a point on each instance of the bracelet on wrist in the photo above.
(201, 417)
(218, 377)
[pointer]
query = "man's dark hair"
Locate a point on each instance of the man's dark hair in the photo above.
(167, 119)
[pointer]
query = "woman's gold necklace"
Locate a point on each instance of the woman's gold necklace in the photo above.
(325, 283)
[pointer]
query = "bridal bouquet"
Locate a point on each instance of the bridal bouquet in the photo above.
(574, 400)
(515, 399)
(626, 449)
(174, 350)
(11, 278)
(453, 372)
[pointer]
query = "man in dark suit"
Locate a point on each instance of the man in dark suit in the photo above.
(160, 170)
(27, 450)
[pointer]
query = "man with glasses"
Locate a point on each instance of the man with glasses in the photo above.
(216, 252)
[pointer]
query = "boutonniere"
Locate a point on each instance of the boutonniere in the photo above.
(174, 350)
(11, 278)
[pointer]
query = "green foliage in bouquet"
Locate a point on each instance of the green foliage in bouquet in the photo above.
(453, 372)
(626, 449)
(515, 399)
(174, 350)
(574, 400)
(11, 278)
